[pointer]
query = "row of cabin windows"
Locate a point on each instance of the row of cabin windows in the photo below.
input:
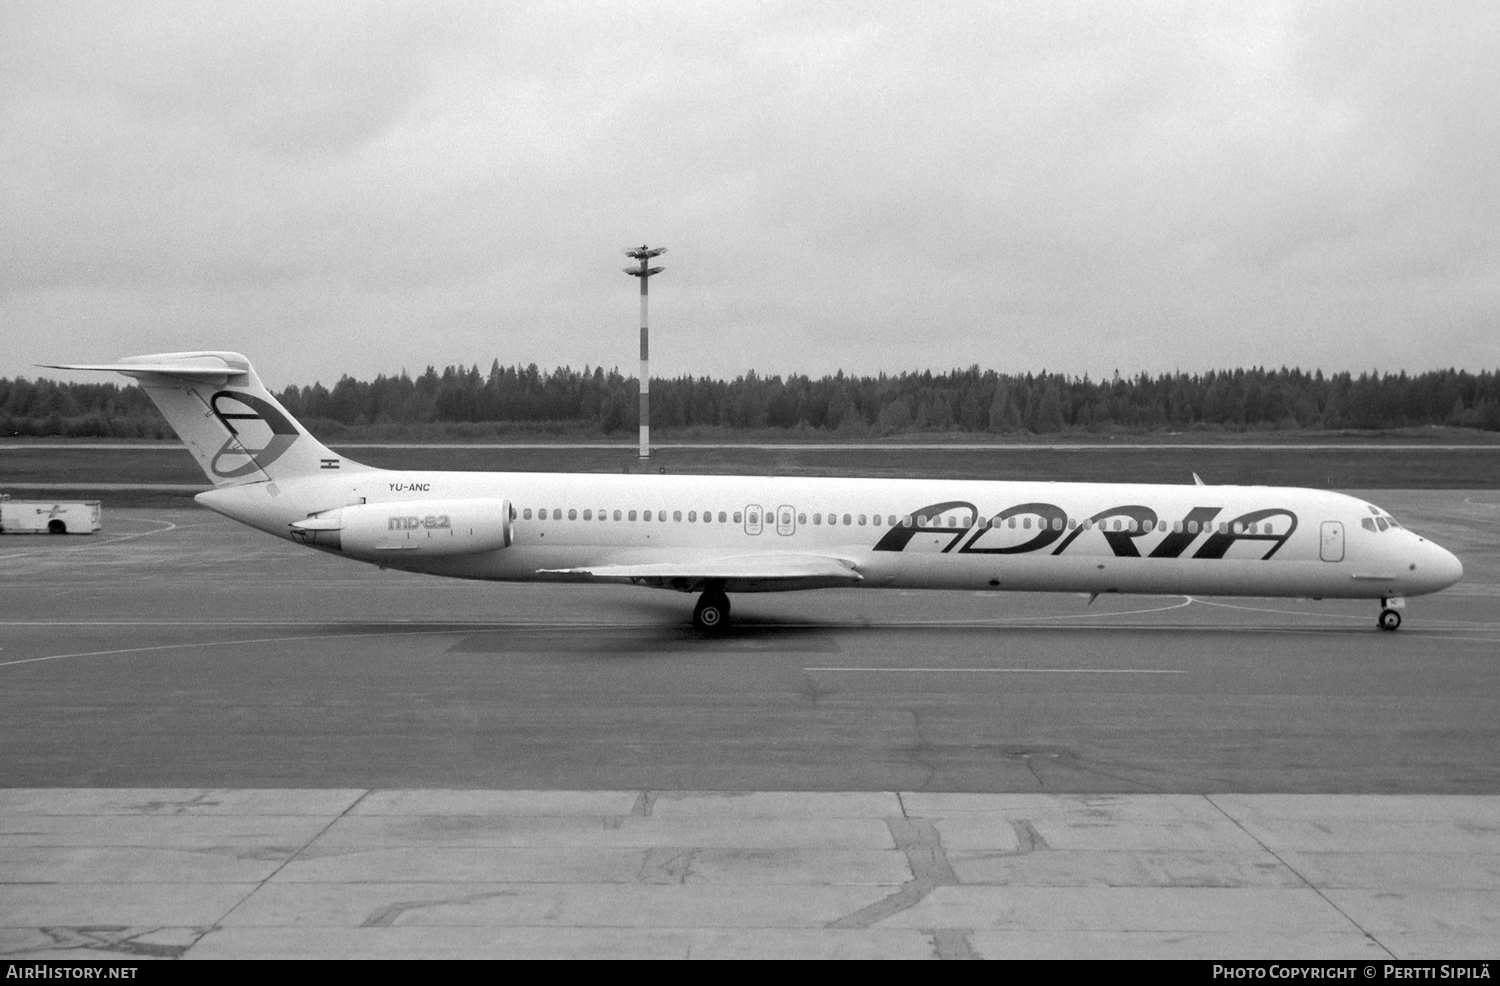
(850, 520)
(644, 515)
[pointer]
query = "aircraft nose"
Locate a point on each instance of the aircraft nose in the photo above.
(1440, 568)
(1451, 567)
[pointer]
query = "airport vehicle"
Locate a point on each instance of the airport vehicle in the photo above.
(48, 516)
(716, 535)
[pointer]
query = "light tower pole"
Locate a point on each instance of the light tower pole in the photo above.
(644, 272)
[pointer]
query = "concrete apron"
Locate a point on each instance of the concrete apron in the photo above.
(134, 873)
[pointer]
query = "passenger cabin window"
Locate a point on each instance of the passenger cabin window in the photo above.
(526, 514)
(676, 516)
(617, 515)
(631, 515)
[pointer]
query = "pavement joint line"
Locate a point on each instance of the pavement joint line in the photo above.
(365, 793)
(1298, 874)
(643, 804)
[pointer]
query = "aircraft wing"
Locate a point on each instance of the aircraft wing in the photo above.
(739, 573)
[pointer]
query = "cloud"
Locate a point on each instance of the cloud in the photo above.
(1078, 186)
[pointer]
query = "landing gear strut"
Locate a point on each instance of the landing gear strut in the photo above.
(712, 611)
(1389, 618)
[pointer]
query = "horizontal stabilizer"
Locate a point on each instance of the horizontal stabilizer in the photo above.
(208, 369)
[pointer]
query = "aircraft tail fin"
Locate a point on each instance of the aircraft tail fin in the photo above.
(234, 427)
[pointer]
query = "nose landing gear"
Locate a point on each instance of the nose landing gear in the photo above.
(1390, 618)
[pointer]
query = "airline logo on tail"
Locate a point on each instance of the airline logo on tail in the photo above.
(259, 434)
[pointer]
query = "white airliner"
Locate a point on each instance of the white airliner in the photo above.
(714, 535)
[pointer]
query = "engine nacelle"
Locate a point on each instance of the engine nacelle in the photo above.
(411, 527)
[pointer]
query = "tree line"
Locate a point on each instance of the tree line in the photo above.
(461, 401)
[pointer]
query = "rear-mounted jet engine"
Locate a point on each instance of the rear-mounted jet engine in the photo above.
(410, 527)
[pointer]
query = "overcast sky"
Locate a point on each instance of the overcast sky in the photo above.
(1082, 187)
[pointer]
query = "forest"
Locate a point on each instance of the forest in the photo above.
(460, 402)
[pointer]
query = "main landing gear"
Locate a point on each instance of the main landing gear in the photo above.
(1390, 618)
(712, 612)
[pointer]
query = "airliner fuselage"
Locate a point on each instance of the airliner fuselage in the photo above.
(1072, 537)
(714, 535)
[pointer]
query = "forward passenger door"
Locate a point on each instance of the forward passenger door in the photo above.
(1332, 545)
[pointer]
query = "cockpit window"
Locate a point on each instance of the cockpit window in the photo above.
(1367, 524)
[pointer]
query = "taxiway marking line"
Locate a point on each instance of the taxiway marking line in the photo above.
(1017, 670)
(220, 643)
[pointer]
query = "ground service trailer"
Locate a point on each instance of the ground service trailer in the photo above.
(48, 516)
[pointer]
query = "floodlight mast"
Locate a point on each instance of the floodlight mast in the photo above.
(644, 272)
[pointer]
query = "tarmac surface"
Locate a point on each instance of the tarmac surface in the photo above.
(217, 744)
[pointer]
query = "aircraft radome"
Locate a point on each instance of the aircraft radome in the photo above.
(715, 535)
